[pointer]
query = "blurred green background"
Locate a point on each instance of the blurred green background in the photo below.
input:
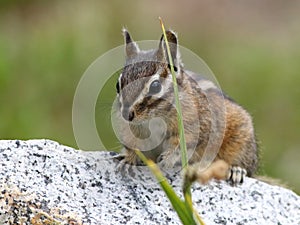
(253, 48)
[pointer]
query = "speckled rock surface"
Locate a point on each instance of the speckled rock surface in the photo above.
(42, 181)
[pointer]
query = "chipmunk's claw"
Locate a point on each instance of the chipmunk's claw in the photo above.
(169, 160)
(236, 175)
(125, 166)
(121, 162)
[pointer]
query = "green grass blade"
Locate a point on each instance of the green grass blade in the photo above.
(184, 160)
(183, 148)
(184, 213)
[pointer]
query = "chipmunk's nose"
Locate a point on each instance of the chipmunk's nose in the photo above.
(128, 114)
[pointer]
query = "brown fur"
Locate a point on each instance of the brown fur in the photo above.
(210, 117)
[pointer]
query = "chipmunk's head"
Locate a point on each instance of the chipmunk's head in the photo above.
(146, 82)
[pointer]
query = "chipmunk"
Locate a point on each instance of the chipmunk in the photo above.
(211, 119)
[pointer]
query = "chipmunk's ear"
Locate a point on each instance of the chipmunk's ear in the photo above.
(162, 53)
(131, 48)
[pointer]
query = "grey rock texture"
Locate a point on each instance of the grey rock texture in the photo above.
(42, 181)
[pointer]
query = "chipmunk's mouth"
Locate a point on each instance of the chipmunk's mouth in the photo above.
(136, 120)
(128, 115)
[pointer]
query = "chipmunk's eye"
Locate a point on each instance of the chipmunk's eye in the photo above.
(155, 87)
(118, 87)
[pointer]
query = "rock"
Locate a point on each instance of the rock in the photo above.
(42, 182)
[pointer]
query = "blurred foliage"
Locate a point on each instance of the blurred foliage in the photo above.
(252, 47)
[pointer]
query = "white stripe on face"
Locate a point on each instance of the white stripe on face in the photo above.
(145, 90)
(166, 83)
(120, 93)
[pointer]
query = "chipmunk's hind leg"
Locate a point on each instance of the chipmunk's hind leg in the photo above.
(236, 175)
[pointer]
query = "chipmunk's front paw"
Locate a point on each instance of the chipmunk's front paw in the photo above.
(236, 175)
(167, 161)
(122, 162)
(127, 163)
